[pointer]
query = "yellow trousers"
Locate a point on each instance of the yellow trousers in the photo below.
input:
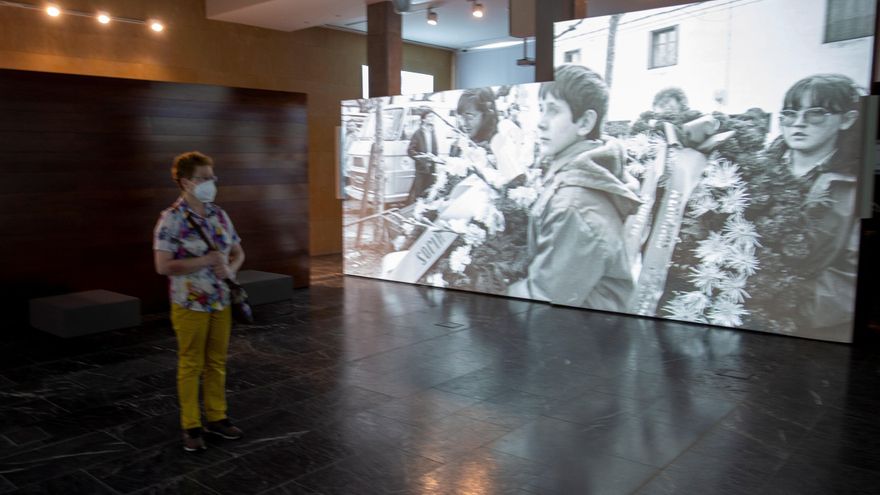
(202, 345)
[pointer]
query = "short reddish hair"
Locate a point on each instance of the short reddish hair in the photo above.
(185, 164)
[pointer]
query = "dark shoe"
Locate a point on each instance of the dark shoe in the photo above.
(225, 429)
(193, 441)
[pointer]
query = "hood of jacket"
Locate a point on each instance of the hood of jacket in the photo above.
(598, 166)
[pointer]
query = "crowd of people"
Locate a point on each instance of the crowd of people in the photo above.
(611, 231)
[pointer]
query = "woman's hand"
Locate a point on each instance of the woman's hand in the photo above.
(167, 265)
(222, 271)
(214, 259)
(219, 264)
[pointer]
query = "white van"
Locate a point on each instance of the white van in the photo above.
(399, 123)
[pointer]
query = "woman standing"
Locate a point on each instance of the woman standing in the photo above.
(200, 299)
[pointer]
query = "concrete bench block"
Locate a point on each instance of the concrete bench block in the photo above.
(265, 287)
(83, 313)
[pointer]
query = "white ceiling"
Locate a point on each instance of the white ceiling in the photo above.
(457, 28)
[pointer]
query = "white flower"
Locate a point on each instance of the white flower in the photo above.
(713, 249)
(707, 277)
(456, 166)
(492, 218)
(439, 183)
(733, 296)
(733, 289)
(726, 313)
(420, 207)
(701, 202)
(523, 196)
(740, 232)
(722, 174)
(742, 259)
(436, 279)
(460, 259)
(687, 306)
(727, 258)
(735, 201)
(697, 301)
(474, 235)
(408, 228)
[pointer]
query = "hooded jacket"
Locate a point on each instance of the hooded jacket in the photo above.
(576, 230)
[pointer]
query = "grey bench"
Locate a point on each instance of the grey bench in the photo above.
(83, 313)
(265, 287)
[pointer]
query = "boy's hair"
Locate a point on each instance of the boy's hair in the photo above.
(675, 93)
(185, 164)
(582, 89)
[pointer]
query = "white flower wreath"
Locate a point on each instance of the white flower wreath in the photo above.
(725, 259)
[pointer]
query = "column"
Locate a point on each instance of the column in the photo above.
(546, 14)
(384, 48)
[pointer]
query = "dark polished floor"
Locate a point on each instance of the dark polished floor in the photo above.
(365, 387)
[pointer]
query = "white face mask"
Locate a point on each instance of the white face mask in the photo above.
(206, 191)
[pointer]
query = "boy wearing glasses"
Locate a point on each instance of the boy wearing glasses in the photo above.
(200, 302)
(820, 148)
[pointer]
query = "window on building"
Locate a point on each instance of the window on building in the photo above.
(664, 47)
(410, 82)
(572, 56)
(849, 19)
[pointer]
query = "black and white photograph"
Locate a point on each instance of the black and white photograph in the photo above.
(678, 167)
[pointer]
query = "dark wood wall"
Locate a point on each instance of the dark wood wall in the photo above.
(85, 170)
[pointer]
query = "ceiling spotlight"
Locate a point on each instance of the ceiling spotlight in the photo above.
(54, 10)
(478, 10)
(432, 17)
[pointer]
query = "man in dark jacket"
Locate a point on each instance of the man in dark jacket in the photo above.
(423, 150)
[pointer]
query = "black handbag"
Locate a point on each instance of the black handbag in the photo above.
(241, 310)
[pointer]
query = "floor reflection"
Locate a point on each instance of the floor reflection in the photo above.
(361, 386)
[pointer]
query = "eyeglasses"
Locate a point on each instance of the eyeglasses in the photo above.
(815, 116)
(199, 180)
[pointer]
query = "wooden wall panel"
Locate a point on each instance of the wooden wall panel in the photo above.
(85, 170)
(324, 63)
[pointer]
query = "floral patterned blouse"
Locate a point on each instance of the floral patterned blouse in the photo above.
(200, 290)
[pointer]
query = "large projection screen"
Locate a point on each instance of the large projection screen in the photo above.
(698, 163)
